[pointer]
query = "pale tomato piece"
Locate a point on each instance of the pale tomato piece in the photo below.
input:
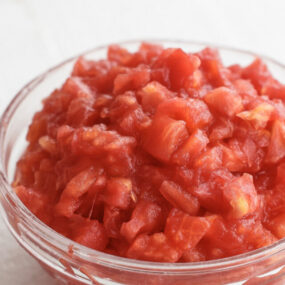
(259, 116)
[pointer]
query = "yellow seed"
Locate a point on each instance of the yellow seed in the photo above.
(240, 207)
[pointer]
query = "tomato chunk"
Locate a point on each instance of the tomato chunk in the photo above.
(241, 196)
(194, 112)
(164, 136)
(155, 248)
(191, 149)
(118, 192)
(224, 101)
(146, 217)
(276, 148)
(185, 231)
(179, 65)
(179, 198)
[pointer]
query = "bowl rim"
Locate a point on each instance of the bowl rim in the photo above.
(99, 257)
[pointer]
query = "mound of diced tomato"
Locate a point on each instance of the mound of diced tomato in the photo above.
(160, 155)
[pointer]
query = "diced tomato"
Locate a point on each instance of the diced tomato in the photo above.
(258, 116)
(196, 143)
(209, 189)
(179, 198)
(213, 68)
(75, 86)
(185, 231)
(241, 195)
(258, 73)
(164, 136)
(277, 226)
(160, 155)
(119, 54)
(225, 101)
(193, 111)
(276, 148)
(179, 64)
(112, 220)
(274, 90)
(153, 94)
(118, 192)
(233, 157)
(246, 90)
(32, 199)
(81, 113)
(132, 79)
(221, 129)
(91, 234)
(193, 255)
(146, 217)
(77, 186)
(211, 159)
(155, 248)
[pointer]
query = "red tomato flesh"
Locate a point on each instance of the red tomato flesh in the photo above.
(160, 155)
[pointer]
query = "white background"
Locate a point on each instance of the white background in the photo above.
(36, 34)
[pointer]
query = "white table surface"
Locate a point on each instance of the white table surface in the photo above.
(36, 34)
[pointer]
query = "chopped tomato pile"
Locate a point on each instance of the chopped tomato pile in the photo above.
(160, 155)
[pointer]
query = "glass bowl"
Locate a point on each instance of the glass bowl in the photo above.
(72, 263)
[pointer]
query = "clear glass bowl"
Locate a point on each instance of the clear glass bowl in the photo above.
(72, 263)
